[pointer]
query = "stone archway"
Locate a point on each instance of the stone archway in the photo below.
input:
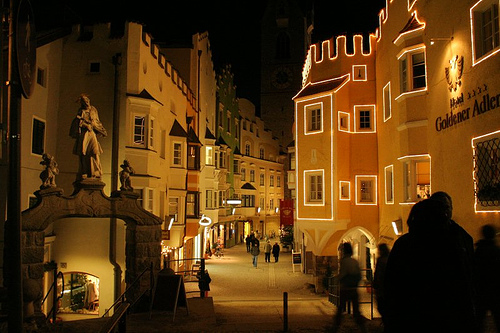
(143, 235)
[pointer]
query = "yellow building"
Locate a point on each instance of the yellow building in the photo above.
(379, 129)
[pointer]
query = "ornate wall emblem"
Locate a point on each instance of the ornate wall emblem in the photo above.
(454, 73)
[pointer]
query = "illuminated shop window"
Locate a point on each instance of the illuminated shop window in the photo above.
(313, 119)
(485, 29)
(389, 184)
(80, 294)
(364, 118)
(412, 70)
(487, 172)
(366, 191)
(344, 121)
(314, 187)
(387, 102)
(38, 136)
(345, 190)
(417, 177)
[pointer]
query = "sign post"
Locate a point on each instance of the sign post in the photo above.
(296, 260)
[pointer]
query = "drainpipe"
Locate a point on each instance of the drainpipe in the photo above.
(117, 60)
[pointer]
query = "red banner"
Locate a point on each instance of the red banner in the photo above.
(286, 212)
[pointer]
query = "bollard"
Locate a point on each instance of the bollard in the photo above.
(285, 312)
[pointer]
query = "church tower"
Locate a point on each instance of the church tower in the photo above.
(286, 28)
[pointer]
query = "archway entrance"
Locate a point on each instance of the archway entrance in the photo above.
(142, 235)
(364, 249)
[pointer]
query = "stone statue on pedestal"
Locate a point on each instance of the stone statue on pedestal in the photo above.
(85, 128)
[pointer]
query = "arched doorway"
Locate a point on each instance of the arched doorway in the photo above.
(142, 233)
(364, 249)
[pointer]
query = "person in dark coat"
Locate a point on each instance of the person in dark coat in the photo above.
(349, 277)
(248, 241)
(487, 260)
(426, 277)
(379, 276)
(276, 251)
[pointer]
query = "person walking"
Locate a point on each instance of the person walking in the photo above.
(349, 277)
(276, 251)
(379, 276)
(248, 241)
(255, 251)
(426, 282)
(487, 268)
(267, 251)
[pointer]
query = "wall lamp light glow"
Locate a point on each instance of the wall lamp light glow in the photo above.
(434, 40)
(205, 221)
(276, 210)
(258, 209)
(170, 224)
(234, 201)
(233, 210)
(395, 227)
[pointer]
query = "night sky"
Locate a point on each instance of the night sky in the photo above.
(233, 25)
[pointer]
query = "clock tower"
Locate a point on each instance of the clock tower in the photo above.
(286, 28)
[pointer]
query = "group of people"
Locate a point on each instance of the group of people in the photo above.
(433, 279)
(253, 247)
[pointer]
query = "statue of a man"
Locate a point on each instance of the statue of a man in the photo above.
(85, 128)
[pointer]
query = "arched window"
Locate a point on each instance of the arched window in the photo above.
(261, 153)
(247, 149)
(283, 46)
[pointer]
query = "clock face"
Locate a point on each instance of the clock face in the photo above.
(281, 77)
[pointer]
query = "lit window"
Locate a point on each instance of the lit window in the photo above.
(151, 132)
(209, 199)
(252, 176)
(292, 161)
(345, 190)
(192, 204)
(417, 178)
(387, 102)
(146, 198)
(389, 184)
(487, 172)
(209, 156)
(364, 118)
(139, 130)
(314, 186)
(271, 181)
(313, 118)
(412, 70)
(344, 119)
(485, 29)
(38, 137)
(173, 208)
(262, 179)
(193, 159)
(366, 192)
(177, 156)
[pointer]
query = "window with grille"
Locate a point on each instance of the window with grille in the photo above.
(487, 173)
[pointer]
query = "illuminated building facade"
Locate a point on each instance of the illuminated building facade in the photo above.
(424, 119)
